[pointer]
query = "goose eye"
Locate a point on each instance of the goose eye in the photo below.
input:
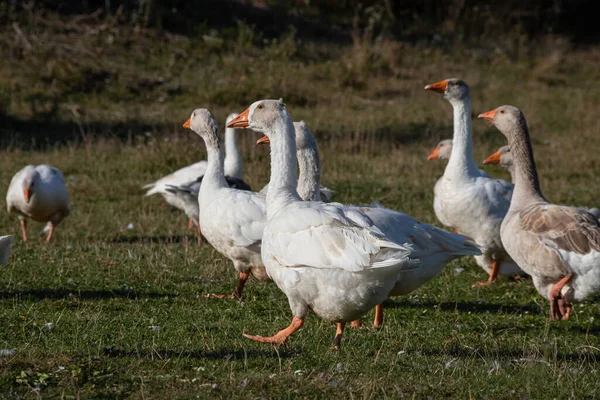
(260, 106)
(501, 111)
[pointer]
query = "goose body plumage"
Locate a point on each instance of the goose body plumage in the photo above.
(467, 199)
(38, 192)
(432, 247)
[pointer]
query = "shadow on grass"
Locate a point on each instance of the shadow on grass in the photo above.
(192, 240)
(516, 355)
(223, 354)
(63, 293)
(467, 306)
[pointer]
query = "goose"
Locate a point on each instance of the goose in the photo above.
(189, 175)
(559, 246)
(433, 247)
(466, 200)
(309, 164)
(38, 192)
(504, 158)
(5, 243)
(326, 257)
(231, 220)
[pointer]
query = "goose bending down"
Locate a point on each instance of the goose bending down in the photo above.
(432, 247)
(326, 257)
(467, 200)
(5, 243)
(504, 158)
(38, 192)
(189, 175)
(231, 220)
(559, 246)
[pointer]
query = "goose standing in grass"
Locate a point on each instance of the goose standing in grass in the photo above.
(559, 246)
(326, 257)
(504, 158)
(467, 200)
(5, 243)
(433, 247)
(38, 192)
(231, 220)
(193, 174)
(309, 164)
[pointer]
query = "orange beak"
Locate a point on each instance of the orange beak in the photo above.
(488, 115)
(263, 140)
(188, 123)
(439, 87)
(27, 194)
(241, 121)
(434, 154)
(494, 159)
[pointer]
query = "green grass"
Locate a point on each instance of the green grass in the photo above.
(104, 287)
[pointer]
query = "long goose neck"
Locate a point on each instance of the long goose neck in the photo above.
(233, 157)
(214, 176)
(309, 178)
(525, 177)
(461, 159)
(282, 186)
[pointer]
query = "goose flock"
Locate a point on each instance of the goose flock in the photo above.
(342, 260)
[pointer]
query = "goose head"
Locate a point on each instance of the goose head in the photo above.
(507, 119)
(442, 151)
(452, 89)
(260, 116)
(30, 176)
(502, 157)
(204, 124)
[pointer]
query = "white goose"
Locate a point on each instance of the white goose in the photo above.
(504, 158)
(559, 246)
(467, 200)
(193, 173)
(433, 247)
(5, 243)
(231, 220)
(38, 192)
(326, 257)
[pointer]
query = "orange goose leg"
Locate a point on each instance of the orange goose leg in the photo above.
(24, 229)
(237, 293)
(339, 331)
(378, 321)
(281, 336)
(559, 308)
(190, 223)
(493, 275)
(50, 232)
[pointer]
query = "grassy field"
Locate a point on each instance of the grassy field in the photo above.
(115, 306)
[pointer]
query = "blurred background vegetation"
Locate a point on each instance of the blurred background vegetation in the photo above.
(75, 69)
